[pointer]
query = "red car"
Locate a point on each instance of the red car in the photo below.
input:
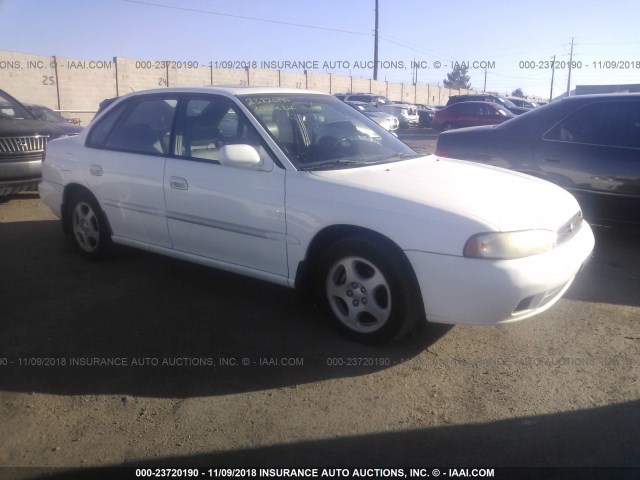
(470, 114)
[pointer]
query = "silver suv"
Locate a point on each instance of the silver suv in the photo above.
(407, 114)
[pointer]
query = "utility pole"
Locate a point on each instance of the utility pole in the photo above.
(553, 71)
(375, 48)
(570, 61)
(484, 89)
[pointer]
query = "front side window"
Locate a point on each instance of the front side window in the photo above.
(321, 132)
(208, 124)
(615, 124)
(12, 110)
(140, 126)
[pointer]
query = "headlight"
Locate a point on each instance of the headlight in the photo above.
(508, 245)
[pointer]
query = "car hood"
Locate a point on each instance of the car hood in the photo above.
(26, 127)
(499, 199)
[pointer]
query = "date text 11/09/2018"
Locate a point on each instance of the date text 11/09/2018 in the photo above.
(577, 64)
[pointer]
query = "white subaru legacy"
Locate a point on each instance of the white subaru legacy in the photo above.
(297, 188)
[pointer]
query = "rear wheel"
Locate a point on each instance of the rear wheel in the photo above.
(369, 289)
(89, 231)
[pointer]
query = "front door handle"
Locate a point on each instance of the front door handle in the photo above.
(178, 183)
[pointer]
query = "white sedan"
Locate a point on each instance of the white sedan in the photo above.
(297, 188)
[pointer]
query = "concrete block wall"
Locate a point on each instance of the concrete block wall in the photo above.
(80, 85)
(340, 84)
(292, 80)
(320, 82)
(30, 78)
(265, 78)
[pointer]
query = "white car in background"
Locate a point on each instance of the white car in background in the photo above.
(406, 113)
(297, 188)
(385, 120)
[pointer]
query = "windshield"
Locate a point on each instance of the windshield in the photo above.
(48, 115)
(503, 110)
(12, 110)
(321, 132)
(506, 103)
(364, 107)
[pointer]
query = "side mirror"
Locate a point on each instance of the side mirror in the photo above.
(240, 156)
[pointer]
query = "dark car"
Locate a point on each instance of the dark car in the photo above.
(588, 144)
(426, 114)
(522, 102)
(468, 114)
(487, 97)
(47, 115)
(22, 142)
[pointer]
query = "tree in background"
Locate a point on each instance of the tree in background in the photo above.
(517, 93)
(458, 78)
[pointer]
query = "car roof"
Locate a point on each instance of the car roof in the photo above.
(601, 96)
(475, 102)
(229, 90)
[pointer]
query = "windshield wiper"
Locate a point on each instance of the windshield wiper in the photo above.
(337, 163)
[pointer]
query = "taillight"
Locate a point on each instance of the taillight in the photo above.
(441, 152)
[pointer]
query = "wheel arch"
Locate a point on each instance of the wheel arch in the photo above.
(328, 236)
(70, 191)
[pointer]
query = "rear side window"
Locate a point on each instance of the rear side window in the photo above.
(615, 124)
(143, 127)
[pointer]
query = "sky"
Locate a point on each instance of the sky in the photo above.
(512, 41)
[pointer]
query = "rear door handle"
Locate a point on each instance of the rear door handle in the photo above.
(178, 183)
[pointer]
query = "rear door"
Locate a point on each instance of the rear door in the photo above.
(126, 167)
(595, 153)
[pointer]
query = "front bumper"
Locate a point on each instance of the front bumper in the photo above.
(460, 290)
(18, 175)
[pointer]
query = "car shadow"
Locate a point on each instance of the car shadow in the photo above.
(612, 275)
(596, 437)
(148, 325)
(19, 196)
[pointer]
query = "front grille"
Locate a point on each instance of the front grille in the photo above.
(569, 229)
(33, 144)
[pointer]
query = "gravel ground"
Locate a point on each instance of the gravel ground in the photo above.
(216, 369)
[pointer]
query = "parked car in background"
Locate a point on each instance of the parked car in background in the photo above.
(522, 102)
(305, 192)
(486, 97)
(22, 143)
(407, 114)
(385, 120)
(426, 114)
(588, 144)
(468, 114)
(47, 115)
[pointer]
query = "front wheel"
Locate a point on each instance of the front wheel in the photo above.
(369, 289)
(89, 231)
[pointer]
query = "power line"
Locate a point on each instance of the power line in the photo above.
(244, 17)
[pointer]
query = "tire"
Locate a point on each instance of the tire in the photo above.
(369, 289)
(89, 230)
